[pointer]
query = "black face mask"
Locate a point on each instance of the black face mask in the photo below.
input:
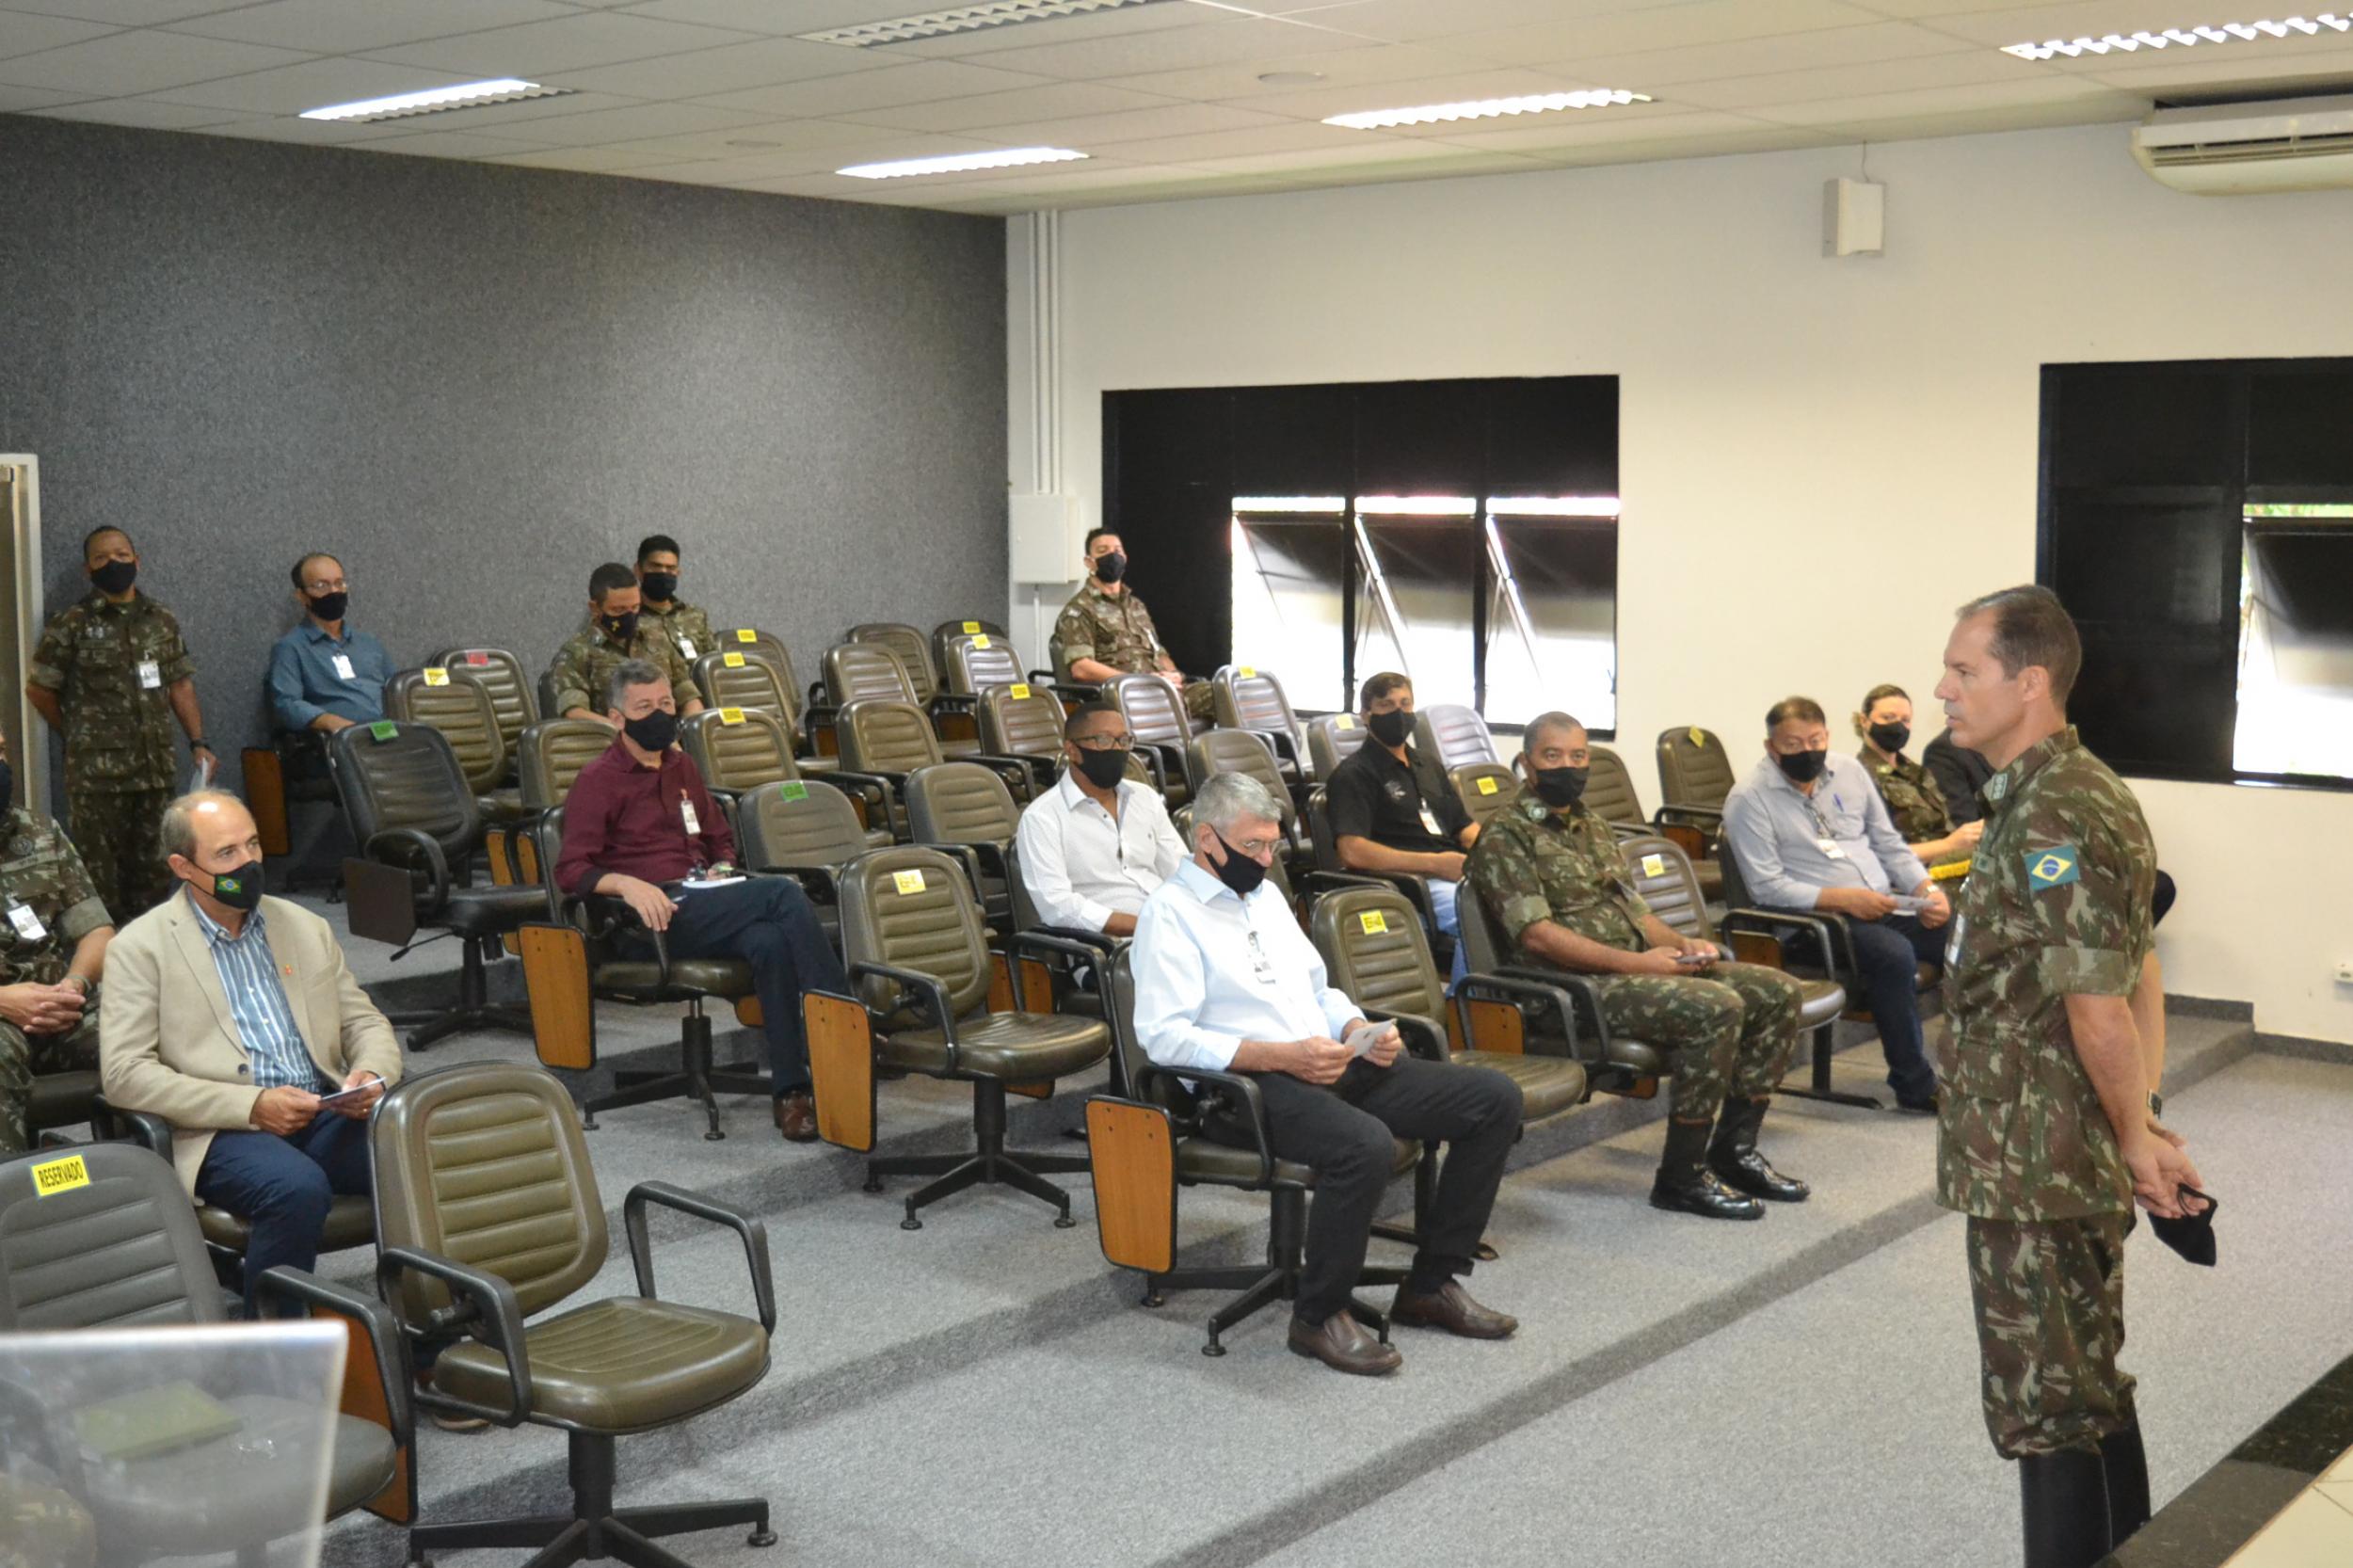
(1891, 738)
(1560, 787)
(1240, 871)
(1390, 728)
(1804, 767)
(1110, 567)
(656, 732)
(330, 607)
(659, 586)
(239, 887)
(1102, 769)
(619, 626)
(116, 576)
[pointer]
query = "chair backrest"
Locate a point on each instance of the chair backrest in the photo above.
(1333, 740)
(1019, 720)
(1374, 949)
(1694, 769)
(912, 908)
(393, 774)
(739, 748)
(857, 671)
(1609, 792)
(960, 803)
(484, 1163)
(885, 735)
(794, 823)
(511, 688)
(1736, 892)
(1128, 1057)
(1486, 948)
(977, 662)
(451, 700)
(1453, 734)
(1243, 697)
(117, 1248)
(1155, 711)
(1216, 751)
(553, 752)
(755, 643)
(947, 631)
(913, 652)
(740, 677)
(1320, 839)
(1485, 788)
(1664, 877)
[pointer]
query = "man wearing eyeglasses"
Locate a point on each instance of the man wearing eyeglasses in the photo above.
(1097, 845)
(323, 675)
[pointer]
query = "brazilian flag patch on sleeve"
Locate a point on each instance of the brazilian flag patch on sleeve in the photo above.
(2053, 868)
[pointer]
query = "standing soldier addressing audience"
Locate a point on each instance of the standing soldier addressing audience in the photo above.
(661, 609)
(2049, 1129)
(1554, 878)
(1105, 631)
(614, 636)
(53, 947)
(110, 673)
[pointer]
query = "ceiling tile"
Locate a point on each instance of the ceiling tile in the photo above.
(1635, 122)
(146, 113)
(779, 17)
(894, 82)
(585, 160)
(2021, 23)
(313, 84)
(129, 13)
(1371, 149)
(1963, 122)
(760, 63)
(631, 122)
(1220, 44)
(317, 132)
(1128, 22)
(2326, 70)
(1720, 144)
(1055, 100)
(2031, 95)
(778, 140)
(1681, 26)
(1355, 66)
(449, 144)
(1816, 48)
(1286, 136)
(1414, 20)
(347, 26)
(22, 33)
(14, 98)
(122, 64)
(1317, 102)
(1090, 131)
(539, 48)
(1847, 81)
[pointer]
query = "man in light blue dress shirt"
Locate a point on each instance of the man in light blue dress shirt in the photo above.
(322, 674)
(1808, 830)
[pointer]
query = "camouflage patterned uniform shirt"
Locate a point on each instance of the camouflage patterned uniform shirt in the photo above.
(39, 872)
(1914, 803)
(1114, 629)
(1531, 865)
(2057, 904)
(113, 667)
(687, 627)
(584, 667)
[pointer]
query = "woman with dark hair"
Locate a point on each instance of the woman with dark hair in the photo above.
(1914, 800)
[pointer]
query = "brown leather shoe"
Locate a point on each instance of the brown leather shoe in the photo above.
(796, 1117)
(1453, 1309)
(1345, 1345)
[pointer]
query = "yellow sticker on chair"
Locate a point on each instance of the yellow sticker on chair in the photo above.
(1346, 721)
(971, 628)
(436, 676)
(1654, 865)
(907, 882)
(745, 635)
(980, 640)
(732, 715)
(52, 1177)
(1246, 673)
(1021, 690)
(1375, 922)
(1699, 736)
(732, 661)
(1487, 785)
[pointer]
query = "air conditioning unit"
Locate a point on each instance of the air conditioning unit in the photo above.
(2242, 148)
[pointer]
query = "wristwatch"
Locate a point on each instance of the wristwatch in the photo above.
(2156, 1103)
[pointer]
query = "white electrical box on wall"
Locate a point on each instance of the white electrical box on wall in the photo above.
(1047, 538)
(1854, 219)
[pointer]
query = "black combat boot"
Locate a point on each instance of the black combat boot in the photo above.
(2063, 1498)
(1734, 1158)
(2127, 1467)
(1686, 1184)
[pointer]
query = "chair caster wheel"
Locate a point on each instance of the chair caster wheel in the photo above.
(760, 1538)
(1485, 1252)
(1212, 1348)
(870, 1185)
(1153, 1298)
(714, 1136)
(910, 1223)
(1063, 1221)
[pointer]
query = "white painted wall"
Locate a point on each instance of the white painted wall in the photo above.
(1819, 459)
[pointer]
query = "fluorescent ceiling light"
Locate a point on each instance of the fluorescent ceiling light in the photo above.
(1416, 505)
(963, 18)
(1488, 108)
(1322, 505)
(1552, 506)
(956, 163)
(466, 95)
(2226, 32)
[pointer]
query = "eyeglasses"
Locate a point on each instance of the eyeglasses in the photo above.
(335, 587)
(1254, 847)
(1106, 742)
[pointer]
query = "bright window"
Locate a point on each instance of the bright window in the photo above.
(2295, 642)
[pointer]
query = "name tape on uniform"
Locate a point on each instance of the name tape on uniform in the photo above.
(1375, 922)
(52, 1177)
(907, 882)
(732, 661)
(732, 715)
(1021, 690)
(436, 676)
(1487, 785)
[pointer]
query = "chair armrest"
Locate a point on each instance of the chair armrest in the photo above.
(821, 883)
(967, 857)
(1583, 996)
(753, 1235)
(391, 1366)
(1709, 819)
(115, 1125)
(927, 993)
(1313, 885)
(1423, 1037)
(436, 863)
(1832, 940)
(1100, 944)
(1077, 946)
(489, 1312)
(1018, 773)
(1518, 990)
(1236, 1087)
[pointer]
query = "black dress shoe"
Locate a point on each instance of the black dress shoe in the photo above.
(1734, 1158)
(1921, 1105)
(1451, 1307)
(1345, 1345)
(1687, 1186)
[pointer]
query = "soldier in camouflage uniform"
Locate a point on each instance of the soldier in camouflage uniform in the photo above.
(686, 626)
(584, 667)
(111, 673)
(2048, 1130)
(1915, 803)
(1105, 631)
(1553, 879)
(53, 945)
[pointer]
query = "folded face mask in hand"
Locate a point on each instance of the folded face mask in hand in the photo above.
(2192, 1234)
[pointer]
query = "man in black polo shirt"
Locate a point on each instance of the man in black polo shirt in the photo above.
(1393, 813)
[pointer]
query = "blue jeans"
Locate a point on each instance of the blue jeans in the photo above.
(1888, 951)
(282, 1187)
(765, 922)
(1442, 896)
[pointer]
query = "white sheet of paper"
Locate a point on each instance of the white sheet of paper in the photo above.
(698, 884)
(1365, 1037)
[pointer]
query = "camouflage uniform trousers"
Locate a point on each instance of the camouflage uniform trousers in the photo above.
(120, 836)
(1732, 1030)
(23, 1059)
(2050, 1306)
(42, 1527)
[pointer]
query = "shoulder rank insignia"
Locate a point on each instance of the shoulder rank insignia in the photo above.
(2052, 867)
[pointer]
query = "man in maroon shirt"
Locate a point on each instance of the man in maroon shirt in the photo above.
(638, 823)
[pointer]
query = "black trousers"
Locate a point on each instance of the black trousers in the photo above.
(1344, 1129)
(765, 922)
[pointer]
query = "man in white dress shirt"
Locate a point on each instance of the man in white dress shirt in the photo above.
(1095, 846)
(1226, 980)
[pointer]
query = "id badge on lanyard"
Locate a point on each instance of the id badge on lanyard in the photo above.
(686, 812)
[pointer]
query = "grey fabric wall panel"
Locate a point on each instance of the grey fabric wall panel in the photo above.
(474, 383)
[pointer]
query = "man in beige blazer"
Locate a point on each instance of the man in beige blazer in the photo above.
(233, 1017)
